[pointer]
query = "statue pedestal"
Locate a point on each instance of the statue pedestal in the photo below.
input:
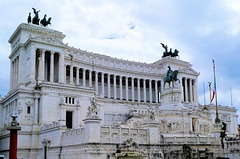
(92, 130)
(171, 99)
(154, 136)
(216, 130)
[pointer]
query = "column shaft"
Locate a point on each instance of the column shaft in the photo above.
(109, 95)
(156, 92)
(190, 90)
(102, 83)
(71, 74)
(84, 77)
(96, 82)
(61, 68)
(115, 86)
(186, 90)
(90, 78)
(138, 83)
(52, 67)
(126, 81)
(150, 91)
(144, 90)
(77, 76)
(132, 89)
(120, 78)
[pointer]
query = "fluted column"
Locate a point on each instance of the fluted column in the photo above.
(114, 86)
(190, 90)
(109, 95)
(132, 89)
(150, 91)
(90, 78)
(156, 92)
(102, 83)
(126, 81)
(84, 77)
(120, 79)
(138, 83)
(186, 90)
(96, 82)
(52, 67)
(77, 76)
(71, 74)
(144, 91)
(61, 74)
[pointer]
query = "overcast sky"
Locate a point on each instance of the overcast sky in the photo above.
(132, 29)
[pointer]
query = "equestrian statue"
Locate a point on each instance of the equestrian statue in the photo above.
(170, 77)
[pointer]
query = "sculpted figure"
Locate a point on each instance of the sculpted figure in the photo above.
(44, 21)
(170, 77)
(29, 20)
(151, 113)
(36, 18)
(93, 109)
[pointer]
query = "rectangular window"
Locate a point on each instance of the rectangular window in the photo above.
(69, 119)
(28, 109)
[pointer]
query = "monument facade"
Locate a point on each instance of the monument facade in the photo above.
(73, 103)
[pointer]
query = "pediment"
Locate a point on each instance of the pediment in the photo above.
(189, 71)
(48, 40)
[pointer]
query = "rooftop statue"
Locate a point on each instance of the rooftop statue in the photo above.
(44, 21)
(170, 53)
(29, 18)
(36, 18)
(170, 77)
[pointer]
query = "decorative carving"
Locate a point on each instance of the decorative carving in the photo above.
(151, 113)
(129, 144)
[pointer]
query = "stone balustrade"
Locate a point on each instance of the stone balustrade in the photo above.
(191, 140)
(119, 135)
(49, 126)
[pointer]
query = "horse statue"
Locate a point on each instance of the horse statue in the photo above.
(45, 22)
(170, 77)
(175, 53)
(169, 53)
(36, 18)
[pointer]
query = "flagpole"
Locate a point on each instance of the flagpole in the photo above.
(217, 120)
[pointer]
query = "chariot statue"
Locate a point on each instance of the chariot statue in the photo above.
(169, 53)
(170, 77)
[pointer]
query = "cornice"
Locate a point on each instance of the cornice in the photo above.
(36, 29)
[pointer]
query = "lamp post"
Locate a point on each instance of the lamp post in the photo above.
(13, 127)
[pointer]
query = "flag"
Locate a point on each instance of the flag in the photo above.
(214, 90)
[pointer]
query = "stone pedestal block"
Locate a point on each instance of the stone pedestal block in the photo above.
(154, 136)
(171, 96)
(92, 130)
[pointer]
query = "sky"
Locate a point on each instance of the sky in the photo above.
(133, 29)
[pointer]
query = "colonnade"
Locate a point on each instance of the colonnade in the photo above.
(189, 90)
(115, 86)
(14, 72)
(50, 66)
